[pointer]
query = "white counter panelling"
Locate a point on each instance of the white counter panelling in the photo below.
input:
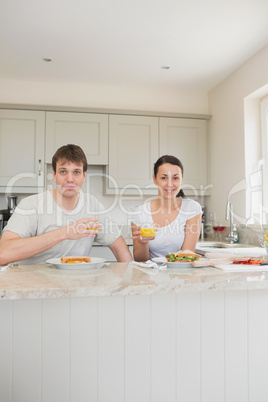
(186, 347)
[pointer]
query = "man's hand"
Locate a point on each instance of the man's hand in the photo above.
(87, 227)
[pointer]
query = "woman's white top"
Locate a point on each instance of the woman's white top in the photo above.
(170, 238)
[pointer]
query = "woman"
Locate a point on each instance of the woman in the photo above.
(177, 218)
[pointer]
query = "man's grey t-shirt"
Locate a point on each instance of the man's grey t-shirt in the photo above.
(40, 214)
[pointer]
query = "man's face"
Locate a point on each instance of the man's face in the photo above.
(69, 178)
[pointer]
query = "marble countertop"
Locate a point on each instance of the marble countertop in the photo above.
(120, 279)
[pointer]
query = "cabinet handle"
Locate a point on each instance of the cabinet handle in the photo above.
(39, 167)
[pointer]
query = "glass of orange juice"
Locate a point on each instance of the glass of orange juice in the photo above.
(97, 226)
(147, 232)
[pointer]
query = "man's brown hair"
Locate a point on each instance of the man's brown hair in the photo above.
(70, 153)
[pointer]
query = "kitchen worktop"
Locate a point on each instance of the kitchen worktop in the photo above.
(168, 331)
(120, 279)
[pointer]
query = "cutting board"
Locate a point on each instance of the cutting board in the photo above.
(242, 267)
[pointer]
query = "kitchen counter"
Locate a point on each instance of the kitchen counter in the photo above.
(167, 335)
(121, 279)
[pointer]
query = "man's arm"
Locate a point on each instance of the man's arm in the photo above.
(14, 248)
(121, 250)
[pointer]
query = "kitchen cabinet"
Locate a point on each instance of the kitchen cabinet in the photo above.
(187, 140)
(102, 252)
(133, 149)
(105, 252)
(22, 136)
(136, 142)
(88, 130)
(127, 144)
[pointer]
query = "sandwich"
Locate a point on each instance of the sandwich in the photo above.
(74, 259)
(183, 256)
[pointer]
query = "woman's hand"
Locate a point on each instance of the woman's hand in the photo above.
(140, 246)
(87, 227)
(136, 235)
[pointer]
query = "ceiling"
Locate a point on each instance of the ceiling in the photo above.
(126, 42)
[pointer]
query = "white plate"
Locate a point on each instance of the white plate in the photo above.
(95, 263)
(179, 264)
(176, 264)
(159, 259)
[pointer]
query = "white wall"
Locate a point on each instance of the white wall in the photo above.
(226, 105)
(93, 96)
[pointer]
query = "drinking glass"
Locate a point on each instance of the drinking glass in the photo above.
(215, 228)
(221, 228)
(218, 228)
(147, 231)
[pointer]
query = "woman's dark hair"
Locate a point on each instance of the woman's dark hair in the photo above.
(70, 153)
(173, 161)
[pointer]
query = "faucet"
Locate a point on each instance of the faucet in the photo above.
(232, 237)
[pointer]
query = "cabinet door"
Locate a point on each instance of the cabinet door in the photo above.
(102, 252)
(133, 150)
(88, 130)
(22, 134)
(187, 140)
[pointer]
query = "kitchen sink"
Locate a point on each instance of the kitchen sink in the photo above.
(203, 247)
(219, 244)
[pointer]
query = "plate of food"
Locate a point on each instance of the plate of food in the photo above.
(77, 262)
(182, 259)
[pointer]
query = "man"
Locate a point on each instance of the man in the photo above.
(60, 222)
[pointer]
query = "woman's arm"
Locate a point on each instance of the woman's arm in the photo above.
(121, 250)
(140, 247)
(192, 233)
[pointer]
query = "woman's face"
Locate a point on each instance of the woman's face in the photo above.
(168, 180)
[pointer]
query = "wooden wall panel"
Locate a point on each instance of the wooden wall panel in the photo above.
(188, 348)
(6, 341)
(212, 347)
(163, 348)
(84, 350)
(55, 350)
(137, 348)
(236, 346)
(111, 349)
(26, 360)
(258, 345)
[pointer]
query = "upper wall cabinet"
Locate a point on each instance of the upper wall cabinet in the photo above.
(136, 142)
(133, 149)
(22, 137)
(187, 140)
(88, 130)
